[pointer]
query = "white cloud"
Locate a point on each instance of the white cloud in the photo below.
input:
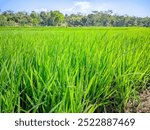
(41, 9)
(80, 6)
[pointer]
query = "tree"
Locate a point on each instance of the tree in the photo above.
(23, 19)
(35, 18)
(3, 20)
(55, 18)
(43, 18)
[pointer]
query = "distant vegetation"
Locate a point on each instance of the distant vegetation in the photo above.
(56, 18)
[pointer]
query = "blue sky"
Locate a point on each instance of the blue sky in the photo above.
(130, 7)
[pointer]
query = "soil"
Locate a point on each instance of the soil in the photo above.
(140, 107)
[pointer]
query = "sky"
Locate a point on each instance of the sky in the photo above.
(139, 8)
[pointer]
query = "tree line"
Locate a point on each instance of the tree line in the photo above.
(56, 18)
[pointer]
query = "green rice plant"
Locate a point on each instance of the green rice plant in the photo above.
(72, 69)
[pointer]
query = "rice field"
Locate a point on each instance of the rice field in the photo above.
(66, 70)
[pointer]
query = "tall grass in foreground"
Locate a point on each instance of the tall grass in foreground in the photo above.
(72, 70)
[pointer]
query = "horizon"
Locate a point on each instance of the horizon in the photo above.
(136, 8)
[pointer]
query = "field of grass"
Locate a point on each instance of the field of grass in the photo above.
(72, 69)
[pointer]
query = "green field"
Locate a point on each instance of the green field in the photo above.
(72, 69)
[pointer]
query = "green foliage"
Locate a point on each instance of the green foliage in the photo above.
(35, 18)
(72, 69)
(56, 18)
(3, 20)
(106, 19)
